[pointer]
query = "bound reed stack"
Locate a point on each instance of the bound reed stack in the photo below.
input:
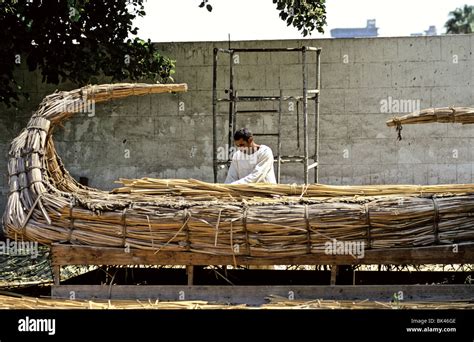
(47, 205)
(261, 229)
(196, 189)
(464, 115)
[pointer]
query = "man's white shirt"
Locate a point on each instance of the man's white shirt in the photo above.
(252, 168)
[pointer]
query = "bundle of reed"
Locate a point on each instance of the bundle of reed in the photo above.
(199, 190)
(262, 230)
(47, 205)
(464, 115)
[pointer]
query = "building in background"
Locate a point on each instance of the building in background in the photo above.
(369, 31)
(430, 32)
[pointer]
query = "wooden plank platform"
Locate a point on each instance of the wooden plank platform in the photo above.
(256, 295)
(87, 255)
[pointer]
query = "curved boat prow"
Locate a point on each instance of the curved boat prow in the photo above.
(37, 177)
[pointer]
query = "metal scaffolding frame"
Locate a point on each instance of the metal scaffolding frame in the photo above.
(234, 98)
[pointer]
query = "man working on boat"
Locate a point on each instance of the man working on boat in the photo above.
(252, 163)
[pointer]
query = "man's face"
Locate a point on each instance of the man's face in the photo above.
(243, 145)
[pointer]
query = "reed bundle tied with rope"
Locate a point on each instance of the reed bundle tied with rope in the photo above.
(47, 205)
(463, 115)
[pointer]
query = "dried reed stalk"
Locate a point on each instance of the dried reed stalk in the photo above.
(464, 115)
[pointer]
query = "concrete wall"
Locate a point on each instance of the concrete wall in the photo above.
(170, 136)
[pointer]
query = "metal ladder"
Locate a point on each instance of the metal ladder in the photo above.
(233, 99)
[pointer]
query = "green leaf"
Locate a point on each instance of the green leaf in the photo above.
(306, 16)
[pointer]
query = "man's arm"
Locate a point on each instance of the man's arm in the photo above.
(260, 170)
(232, 175)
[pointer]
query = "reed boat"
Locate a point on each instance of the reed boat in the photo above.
(46, 204)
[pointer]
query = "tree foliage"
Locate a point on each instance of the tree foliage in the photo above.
(306, 16)
(205, 3)
(461, 20)
(75, 40)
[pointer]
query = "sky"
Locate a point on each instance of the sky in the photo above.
(183, 20)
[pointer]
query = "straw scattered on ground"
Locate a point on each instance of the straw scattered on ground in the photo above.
(25, 302)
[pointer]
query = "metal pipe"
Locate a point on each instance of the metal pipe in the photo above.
(249, 111)
(280, 105)
(311, 48)
(316, 115)
(234, 115)
(224, 50)
(214, 115)
(297, 124)
(256, 98)
(305, 116)
(231, 100)
(263, 98)
(307, 48)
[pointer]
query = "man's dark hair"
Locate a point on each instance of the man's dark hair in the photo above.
(243, 133)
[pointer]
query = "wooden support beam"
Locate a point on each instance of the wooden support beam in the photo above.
(255, 295)
(334, 271)
(57, 274)
(190, 274)
(87, 255)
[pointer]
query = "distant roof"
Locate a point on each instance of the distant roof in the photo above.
(430, 32)
(353, 32)
(369, 31)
